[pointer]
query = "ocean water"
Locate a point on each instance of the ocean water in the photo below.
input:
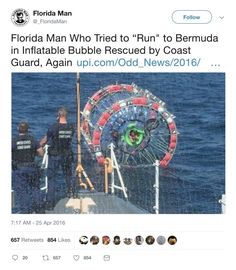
(195, 178)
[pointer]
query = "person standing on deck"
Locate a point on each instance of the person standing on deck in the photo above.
(25, 172)
(59, 139)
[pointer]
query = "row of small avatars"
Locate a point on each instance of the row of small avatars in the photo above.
(138, 240)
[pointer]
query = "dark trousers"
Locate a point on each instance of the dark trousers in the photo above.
(26, 186)
(55, 164)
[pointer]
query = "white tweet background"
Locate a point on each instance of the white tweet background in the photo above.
(205, 241)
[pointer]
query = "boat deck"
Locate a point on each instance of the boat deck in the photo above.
(95, 203)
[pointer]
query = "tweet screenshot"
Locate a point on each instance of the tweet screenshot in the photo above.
(115, 148)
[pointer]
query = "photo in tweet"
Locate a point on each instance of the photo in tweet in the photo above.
(118, 143)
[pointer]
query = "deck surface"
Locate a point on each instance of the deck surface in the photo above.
(95, 203)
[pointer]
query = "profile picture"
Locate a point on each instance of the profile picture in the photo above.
(128, 241)
(161, 240)
(20, 17)
(83, 240)
(172, 240)
(106, 240)
(116, 240)
(139, 240)
(150, 240)
(94, 240)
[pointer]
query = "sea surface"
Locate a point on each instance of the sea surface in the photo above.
(195, 178)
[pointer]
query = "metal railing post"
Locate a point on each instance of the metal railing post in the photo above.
(222, 202)
(156, 186)
(44, 166)
(115, 166)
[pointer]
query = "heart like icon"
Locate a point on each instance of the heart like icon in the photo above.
(15, 257)
(76, 257)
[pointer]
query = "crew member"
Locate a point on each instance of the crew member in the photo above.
(26, 178)
(59, 138)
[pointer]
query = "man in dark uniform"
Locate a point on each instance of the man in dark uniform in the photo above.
(59, 138)
(26, 184)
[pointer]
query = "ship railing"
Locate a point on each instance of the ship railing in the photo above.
(223, 203)
(157, 186)
(116, 169)
(120, 185)
(44, 167)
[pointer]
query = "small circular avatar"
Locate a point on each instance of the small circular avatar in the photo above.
(20, 17)
(83, 240)
(172, 240)
(116, 240)
(150, 240)
(161, 240)
(94, 240)
(139, 240)
(106, 240)
(128, 241)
